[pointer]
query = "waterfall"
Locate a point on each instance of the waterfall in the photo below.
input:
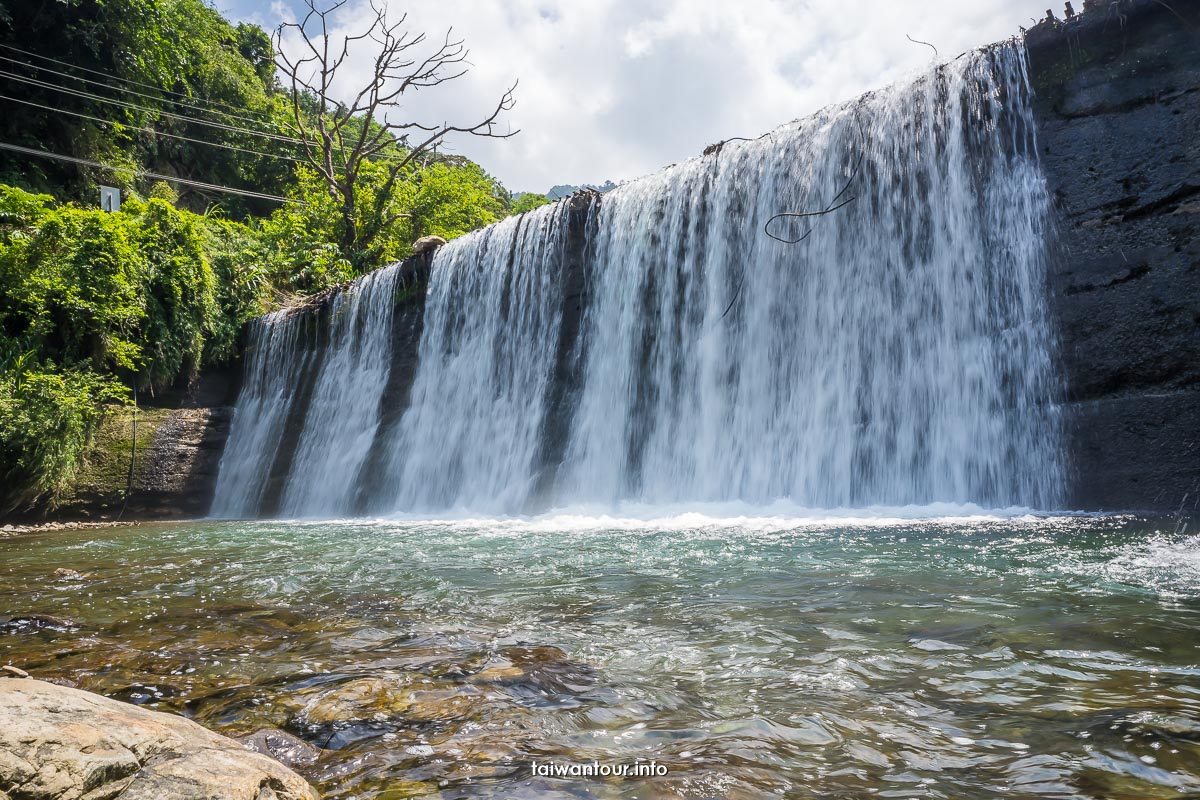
(471, 436)
(899, 353)
(276, 354)
(343, 414)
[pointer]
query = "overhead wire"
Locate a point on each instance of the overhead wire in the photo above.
(110, 76)
(154, 132)
(141, 108)
(144, 174)
(133, 91)
(135, 107)
(138, 94)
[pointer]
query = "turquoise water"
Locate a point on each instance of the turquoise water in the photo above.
(964, 657)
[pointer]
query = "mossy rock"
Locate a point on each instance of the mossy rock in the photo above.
(103, 476)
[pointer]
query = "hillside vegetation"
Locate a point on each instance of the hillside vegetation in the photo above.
(93, 304)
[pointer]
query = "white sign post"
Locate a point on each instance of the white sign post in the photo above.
(110, 199)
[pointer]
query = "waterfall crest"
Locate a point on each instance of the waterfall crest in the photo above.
(899, 354)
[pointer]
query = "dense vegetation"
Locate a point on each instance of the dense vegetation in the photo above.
(94, 303)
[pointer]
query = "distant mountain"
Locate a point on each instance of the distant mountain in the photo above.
(564, 189)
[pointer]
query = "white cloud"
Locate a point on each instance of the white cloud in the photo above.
(613, 89)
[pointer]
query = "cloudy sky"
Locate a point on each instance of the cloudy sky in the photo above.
(614, 89)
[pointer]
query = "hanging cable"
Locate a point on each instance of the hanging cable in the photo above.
(142, 174)
(135, 107)
(154, 132)
(110, 76)
(130, 91)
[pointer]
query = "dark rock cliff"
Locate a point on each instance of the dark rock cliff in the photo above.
(1118, 111)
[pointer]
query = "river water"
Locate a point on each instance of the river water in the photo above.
(963, 655)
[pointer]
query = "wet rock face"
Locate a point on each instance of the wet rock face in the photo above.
(67, 744)
(1118, 108)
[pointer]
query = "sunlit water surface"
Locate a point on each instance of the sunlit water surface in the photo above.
(967, 657)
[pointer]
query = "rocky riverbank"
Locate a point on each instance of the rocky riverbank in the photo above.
(46, 527)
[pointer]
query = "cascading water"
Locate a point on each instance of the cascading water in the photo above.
(898, 355)
(471, 436)
(275, 355)
(343, 415)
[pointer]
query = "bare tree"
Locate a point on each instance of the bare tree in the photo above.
(341, 136)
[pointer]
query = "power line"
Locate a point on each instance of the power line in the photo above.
(154, 132)
(129, 91)
(168, 114)
(171, 115)
(114, 77)
(142, 174)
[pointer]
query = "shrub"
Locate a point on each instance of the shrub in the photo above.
(47, 418)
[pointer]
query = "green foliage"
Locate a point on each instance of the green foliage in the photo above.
(242, 283)
(528, 201)
(47, 418)
(131, 293)
(203, 67)
(92, 301)
(453, 199)
(19, 209)
(161, 190)
(301, 242)
(70, 288)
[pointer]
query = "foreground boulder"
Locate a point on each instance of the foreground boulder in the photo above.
(58, 743)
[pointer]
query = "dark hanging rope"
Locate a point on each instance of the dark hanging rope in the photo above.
(716, 148)
(830, 207)
(927, 44)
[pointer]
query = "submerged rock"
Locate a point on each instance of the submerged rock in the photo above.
(57, 742)
(382, 699)
(542, 667)
(24, 623)
(361, 699)
(280, 745)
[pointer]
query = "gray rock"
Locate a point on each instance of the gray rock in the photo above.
(282, 746)
(68, 744)
(427, 243)
(23, 623)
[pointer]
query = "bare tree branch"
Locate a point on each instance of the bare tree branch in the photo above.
(341, 136)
